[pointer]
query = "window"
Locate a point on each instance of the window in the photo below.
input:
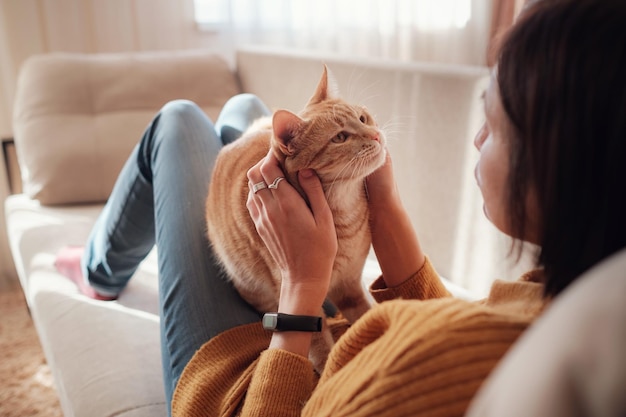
(426, 14)
(431, 30)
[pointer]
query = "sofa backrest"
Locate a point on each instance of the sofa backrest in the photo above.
(77, 117)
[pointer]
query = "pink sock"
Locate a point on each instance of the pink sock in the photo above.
(68, 263)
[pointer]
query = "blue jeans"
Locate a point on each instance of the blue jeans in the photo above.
(159, 198)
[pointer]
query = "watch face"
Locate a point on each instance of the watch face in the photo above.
(270, 321)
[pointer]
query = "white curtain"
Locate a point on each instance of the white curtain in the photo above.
(444, 31)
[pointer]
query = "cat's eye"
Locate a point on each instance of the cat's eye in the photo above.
(363, 118)
(340, 138)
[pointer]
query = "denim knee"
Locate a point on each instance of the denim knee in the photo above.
(181, 110)
(247, 103)
(179, 130)
(181, 120)
(237, 114)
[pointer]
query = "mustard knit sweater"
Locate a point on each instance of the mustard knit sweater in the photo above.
(406, 357)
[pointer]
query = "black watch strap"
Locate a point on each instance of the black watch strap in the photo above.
(281, 322)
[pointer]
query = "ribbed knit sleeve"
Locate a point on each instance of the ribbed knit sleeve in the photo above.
(235, 375)
(216, 379)
(280, 386)
(413, 358)
(422, 285)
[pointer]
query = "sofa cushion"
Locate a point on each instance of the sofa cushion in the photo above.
(77, 117)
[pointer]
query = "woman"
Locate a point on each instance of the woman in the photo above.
(552, 171)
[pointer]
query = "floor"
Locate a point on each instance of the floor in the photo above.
(26, 384)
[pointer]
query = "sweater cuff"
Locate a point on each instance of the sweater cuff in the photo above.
(281, 384)
(422, 285)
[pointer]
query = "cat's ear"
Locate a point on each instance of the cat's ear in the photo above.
(326, 88)
(286, 125)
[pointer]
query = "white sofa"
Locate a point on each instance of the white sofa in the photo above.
(77, 118)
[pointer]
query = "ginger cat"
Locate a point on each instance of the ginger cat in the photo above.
(343, 144)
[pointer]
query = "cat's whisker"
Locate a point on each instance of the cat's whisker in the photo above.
(394, 123)
(353, 166)
(359, 96)
(357, 167)
(394, 136)
(393, 130)
(372, 98)
(353, 79)
(345, 167)
(334, 180)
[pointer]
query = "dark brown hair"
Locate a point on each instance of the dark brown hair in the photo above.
(562, 79)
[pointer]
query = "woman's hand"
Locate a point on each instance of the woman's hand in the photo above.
(393, 238)
(302, 240)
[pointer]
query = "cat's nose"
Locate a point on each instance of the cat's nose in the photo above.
(376, 137)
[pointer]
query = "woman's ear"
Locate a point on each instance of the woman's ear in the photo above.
(286, 126)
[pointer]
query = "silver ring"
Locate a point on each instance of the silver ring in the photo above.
(274, 184)
(259, 186)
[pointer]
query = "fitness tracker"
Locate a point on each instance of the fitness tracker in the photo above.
(280, 322)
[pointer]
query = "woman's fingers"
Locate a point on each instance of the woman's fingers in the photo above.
(267, 177)
(312, 186)
(266, 181)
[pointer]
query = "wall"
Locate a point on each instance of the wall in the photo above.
(30, 27)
